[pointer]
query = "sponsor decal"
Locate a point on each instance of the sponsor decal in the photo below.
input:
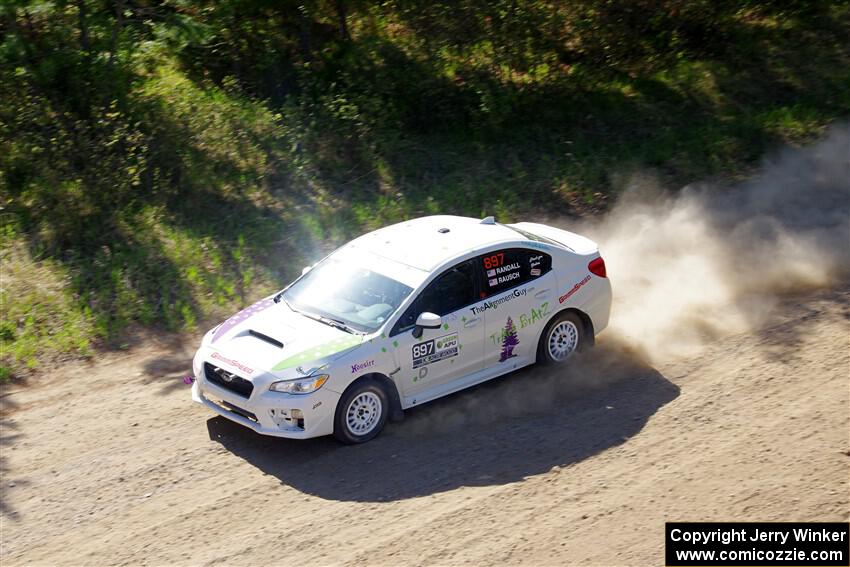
(355, 368)
(496, 302)
(538, 245)
(243, 315)
(525, 319)
(435, 350)
(233, 363)
(535, 265)
(574, 289)
(317, 404)
(534, 316)
(510, 341)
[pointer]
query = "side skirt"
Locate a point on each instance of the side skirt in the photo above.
(462, 383)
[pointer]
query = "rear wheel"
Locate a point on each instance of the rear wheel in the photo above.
(563, 337)
(361, 412)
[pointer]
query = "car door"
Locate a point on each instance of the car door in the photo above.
(519, 286)
(441, 356)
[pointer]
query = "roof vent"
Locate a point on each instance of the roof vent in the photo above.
(443, 230)
(488, 220)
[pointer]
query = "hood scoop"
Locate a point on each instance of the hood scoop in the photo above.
(266, 338)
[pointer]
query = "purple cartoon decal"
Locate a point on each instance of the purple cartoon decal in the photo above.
(241, 316)
(509, 341)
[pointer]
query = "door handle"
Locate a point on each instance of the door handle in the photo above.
(472, 322)
(541, 294)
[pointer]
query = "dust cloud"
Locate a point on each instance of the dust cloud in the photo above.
(711, 261)
(687, 269)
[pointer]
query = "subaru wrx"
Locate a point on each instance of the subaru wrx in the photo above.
(399, 317)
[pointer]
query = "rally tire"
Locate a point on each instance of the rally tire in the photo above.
(362, 412)
(564, 336)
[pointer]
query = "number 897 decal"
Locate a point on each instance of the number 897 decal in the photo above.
(435, 350)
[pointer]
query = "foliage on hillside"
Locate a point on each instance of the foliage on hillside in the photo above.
(162, 161)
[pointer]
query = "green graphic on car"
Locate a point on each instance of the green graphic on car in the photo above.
(320, 351)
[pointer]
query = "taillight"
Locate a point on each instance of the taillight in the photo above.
(597, 267)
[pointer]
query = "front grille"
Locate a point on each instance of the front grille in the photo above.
(228, 380)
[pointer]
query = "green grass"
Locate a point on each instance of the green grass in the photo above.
(190, 194)
(40, 316)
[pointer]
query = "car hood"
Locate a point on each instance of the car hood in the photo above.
(271, 337)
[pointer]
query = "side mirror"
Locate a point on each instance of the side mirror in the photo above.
(426, 320)
(306, 269)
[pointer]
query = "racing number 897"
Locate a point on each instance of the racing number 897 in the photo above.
(494, 261)
(423, 349)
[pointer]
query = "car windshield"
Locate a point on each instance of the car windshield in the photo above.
(348, 293)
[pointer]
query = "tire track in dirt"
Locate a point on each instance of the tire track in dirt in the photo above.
(754, 428)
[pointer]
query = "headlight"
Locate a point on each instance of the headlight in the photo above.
(300, 385)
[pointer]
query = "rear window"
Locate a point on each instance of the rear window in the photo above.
(509, 268)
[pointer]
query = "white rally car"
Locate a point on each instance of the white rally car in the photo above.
(399, 317)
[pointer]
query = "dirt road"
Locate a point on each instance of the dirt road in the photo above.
(110, 462)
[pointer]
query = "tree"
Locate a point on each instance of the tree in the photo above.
(509, 341)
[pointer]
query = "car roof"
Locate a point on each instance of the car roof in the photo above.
(427, 242)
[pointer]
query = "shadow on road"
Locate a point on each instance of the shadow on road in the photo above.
(520, 425)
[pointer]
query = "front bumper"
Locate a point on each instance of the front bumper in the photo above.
(270, 413)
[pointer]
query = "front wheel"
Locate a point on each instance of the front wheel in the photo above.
(563, 336)
(361, 412)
